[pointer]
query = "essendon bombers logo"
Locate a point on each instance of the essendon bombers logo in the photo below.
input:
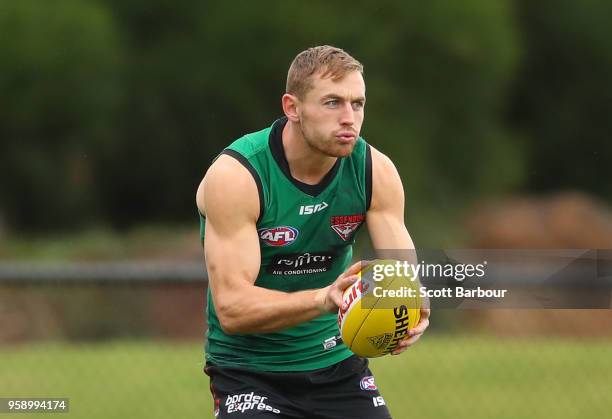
(278, 236)
(346, 225)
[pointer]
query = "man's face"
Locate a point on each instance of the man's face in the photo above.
(331, 114)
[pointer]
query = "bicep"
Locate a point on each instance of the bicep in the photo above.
(228, 197)
(385, 218)
(232, 256)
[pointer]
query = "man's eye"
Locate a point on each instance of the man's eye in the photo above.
(333, 102)
(357, 105)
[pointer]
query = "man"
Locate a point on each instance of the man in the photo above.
(280, 209)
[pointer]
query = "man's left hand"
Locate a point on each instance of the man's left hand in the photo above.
(415, 333)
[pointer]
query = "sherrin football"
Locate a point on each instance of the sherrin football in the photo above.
(381, 309)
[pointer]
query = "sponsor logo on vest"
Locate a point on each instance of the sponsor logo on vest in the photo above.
(367, 383)
(300, 264)
(346, 225)
(378, 401)
(278, 236)
(248, 401)
(311, 209)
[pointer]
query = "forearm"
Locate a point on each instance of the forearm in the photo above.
(252, 309)
(390, 238)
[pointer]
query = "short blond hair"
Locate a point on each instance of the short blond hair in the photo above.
(327, 60)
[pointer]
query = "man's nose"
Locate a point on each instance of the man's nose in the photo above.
(348, 115)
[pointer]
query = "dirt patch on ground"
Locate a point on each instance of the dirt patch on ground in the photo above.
(568, 220)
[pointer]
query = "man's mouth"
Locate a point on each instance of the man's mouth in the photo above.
(346, 136)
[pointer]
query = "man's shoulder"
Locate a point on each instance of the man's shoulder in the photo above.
(225, 197)
(251, 144)
(387, 186)
(381, 160)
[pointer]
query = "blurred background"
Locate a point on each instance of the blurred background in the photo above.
(497, 115)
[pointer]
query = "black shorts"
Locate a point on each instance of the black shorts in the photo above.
(345, 390)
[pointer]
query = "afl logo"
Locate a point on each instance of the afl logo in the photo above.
(367, 383)
(278, 236)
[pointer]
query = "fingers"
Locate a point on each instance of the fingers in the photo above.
(338, 288)
(420, 327)
(425, 313)
(344, 283)
(414, 334)
(405, 344)
(357, 267)
(333, 293)
(365, 263)
(352, 270)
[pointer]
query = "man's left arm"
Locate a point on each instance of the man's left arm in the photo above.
(385, 221)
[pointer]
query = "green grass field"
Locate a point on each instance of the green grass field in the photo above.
(441, 377)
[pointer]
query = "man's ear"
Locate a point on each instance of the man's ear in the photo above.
(290, 107)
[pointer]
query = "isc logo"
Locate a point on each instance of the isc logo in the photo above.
(278, 236)
(311, 209)
(378, 401)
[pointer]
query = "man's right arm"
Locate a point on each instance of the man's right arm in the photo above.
(229, 200)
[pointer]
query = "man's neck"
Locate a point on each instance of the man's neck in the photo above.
(305, 163)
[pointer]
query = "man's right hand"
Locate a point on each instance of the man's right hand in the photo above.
(329, 299)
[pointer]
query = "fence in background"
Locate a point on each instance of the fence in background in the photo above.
(125, 340)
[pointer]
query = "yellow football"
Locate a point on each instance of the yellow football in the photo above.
(382, 307)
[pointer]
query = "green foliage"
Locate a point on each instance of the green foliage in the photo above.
(114, 109)
(60, 88)
(434, 105)
(563, 96)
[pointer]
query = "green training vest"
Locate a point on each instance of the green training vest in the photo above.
(306, 235)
